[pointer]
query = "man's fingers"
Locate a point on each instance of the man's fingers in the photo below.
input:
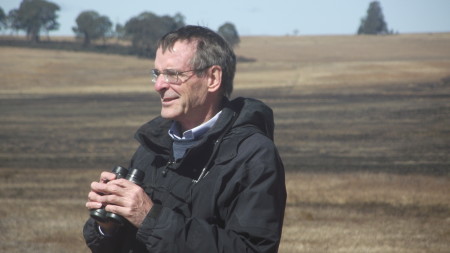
(115, 209)
(93, 205)
(106, 176)
(103, 188)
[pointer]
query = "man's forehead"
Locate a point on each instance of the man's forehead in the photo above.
(178, 56)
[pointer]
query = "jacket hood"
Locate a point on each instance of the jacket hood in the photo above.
(251, 112)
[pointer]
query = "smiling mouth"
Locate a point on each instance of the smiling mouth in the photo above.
(167, 100)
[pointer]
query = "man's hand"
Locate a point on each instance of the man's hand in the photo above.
(93, 201)
(121, 197)
(94, 195)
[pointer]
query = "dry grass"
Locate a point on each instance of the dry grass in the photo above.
(295, 62)
(39, 72)
(366, 212)
(43, 210)
(362, 126)
(282, 62)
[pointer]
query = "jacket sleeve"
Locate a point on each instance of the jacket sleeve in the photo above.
(251, 201)
(97, 242)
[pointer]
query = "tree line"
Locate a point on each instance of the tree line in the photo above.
(143, 30)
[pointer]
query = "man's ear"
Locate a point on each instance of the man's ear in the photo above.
(214, 78)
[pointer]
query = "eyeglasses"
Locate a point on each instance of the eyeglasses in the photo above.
(172, 76)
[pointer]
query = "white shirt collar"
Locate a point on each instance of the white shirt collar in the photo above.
(193, 133)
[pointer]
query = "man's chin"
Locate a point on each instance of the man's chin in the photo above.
(168, 114)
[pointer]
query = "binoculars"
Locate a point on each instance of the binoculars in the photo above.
(133, 175)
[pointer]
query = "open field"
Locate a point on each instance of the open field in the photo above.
(362, 125)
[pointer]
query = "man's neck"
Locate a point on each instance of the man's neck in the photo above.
(190, 123)
(176, 133)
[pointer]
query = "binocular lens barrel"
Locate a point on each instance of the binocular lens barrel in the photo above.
(136, 176)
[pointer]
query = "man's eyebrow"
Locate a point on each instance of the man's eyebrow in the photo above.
(170, 71)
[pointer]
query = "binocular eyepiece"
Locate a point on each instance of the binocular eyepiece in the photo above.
(133, 175)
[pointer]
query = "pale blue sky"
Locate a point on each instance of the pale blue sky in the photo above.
(266, 17)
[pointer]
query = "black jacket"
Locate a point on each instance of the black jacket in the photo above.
(236, 205)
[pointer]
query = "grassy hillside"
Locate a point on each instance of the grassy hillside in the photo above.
(362, 125)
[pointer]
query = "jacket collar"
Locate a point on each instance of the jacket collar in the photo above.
(239, 112)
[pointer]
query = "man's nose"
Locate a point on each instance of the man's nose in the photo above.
(160, 83)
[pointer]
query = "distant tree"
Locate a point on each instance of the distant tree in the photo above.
(12, 21)
(229, 33)
(3, 19)
(119, 31)
(34, 16)
(374, 22)
(179, 20)
(92, 26)
(146, 29)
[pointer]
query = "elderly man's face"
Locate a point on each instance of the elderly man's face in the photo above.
(185, 101)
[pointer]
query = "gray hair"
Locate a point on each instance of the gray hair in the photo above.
(212, 49)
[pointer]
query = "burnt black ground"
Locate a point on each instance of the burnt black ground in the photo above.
(391, 128)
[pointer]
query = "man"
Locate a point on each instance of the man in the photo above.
(214, 181)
